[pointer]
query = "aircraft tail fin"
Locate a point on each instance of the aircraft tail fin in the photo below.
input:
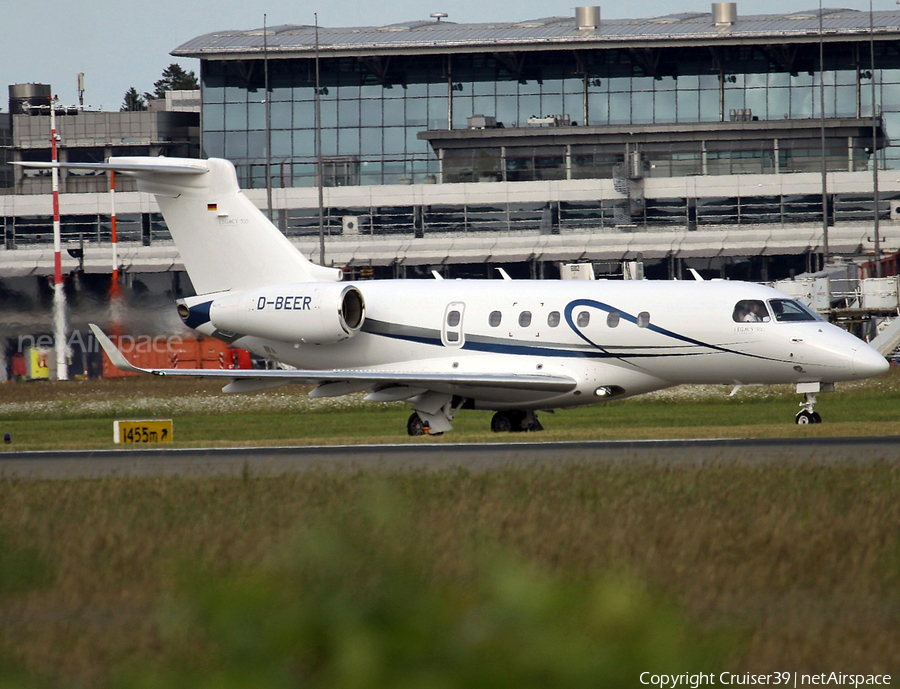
(225, 241)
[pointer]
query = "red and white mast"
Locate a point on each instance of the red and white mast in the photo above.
(114, 286)
(115, 292)
(59, 295)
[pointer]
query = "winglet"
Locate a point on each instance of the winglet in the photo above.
(115, 356)
(503, 274)
(697, 276)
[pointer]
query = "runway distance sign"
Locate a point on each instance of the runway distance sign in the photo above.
(142, 431)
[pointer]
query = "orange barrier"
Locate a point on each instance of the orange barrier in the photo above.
(206, 352)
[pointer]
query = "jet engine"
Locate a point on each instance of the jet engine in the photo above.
(307, 312)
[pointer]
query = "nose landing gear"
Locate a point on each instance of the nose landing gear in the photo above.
(808, 413)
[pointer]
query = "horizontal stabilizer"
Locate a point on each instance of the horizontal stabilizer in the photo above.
(177, 166)
(527, 381)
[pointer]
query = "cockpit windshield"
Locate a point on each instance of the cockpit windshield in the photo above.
(788, 310)
(750, 311)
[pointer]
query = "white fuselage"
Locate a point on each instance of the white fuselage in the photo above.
(444, 345)
(629, 337)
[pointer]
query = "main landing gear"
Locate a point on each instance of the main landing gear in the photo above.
(515, 422)
(415, 426)
(502, 422)
(433, 413)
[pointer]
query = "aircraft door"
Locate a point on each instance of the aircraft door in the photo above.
(452, 333)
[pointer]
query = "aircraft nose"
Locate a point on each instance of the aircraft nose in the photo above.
(867, 362)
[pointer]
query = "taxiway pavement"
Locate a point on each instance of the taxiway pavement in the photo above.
(442, 456)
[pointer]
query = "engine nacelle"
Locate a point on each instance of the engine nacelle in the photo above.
(306, 312)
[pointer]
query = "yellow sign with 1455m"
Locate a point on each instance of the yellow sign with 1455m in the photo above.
(142, 431)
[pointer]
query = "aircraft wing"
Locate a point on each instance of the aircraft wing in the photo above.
(528, 381)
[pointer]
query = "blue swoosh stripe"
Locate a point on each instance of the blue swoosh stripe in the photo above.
(571, 306)
(523, 350)
(424, 336)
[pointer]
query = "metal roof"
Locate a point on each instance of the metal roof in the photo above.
(417, 37)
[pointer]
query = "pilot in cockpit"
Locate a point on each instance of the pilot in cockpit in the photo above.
(756, 314)
(750, 311)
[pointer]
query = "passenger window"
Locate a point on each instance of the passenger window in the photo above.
(583, 319)
(553, 319)
(643, 319)
(525, 319)
(750, 311)
(612, 320)
(453, 319)
(494, 319)
(786, 310)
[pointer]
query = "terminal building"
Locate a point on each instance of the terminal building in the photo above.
(689, 137)
(691, 140)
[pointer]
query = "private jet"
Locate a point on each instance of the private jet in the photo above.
(515, 347)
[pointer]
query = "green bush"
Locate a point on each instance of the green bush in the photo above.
(355, 603)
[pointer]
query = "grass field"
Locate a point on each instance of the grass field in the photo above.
(426, 575)
(522, 577)
(80, 415)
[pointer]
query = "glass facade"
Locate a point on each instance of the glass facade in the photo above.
(369, 122)
(373, 108)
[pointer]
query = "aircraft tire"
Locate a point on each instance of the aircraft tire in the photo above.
(502, 422)
(414, 425)
(804, 417)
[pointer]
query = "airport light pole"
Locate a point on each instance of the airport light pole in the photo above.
(320, 172)
(876, 230)
(825, 248)
(268, 119)
(59, 295)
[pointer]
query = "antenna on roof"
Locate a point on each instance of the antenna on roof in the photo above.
(437, 16)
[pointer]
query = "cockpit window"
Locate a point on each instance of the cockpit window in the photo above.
(788, 310)
(750, 311)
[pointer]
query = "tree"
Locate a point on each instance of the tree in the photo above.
(174, 78)
(133, 101)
